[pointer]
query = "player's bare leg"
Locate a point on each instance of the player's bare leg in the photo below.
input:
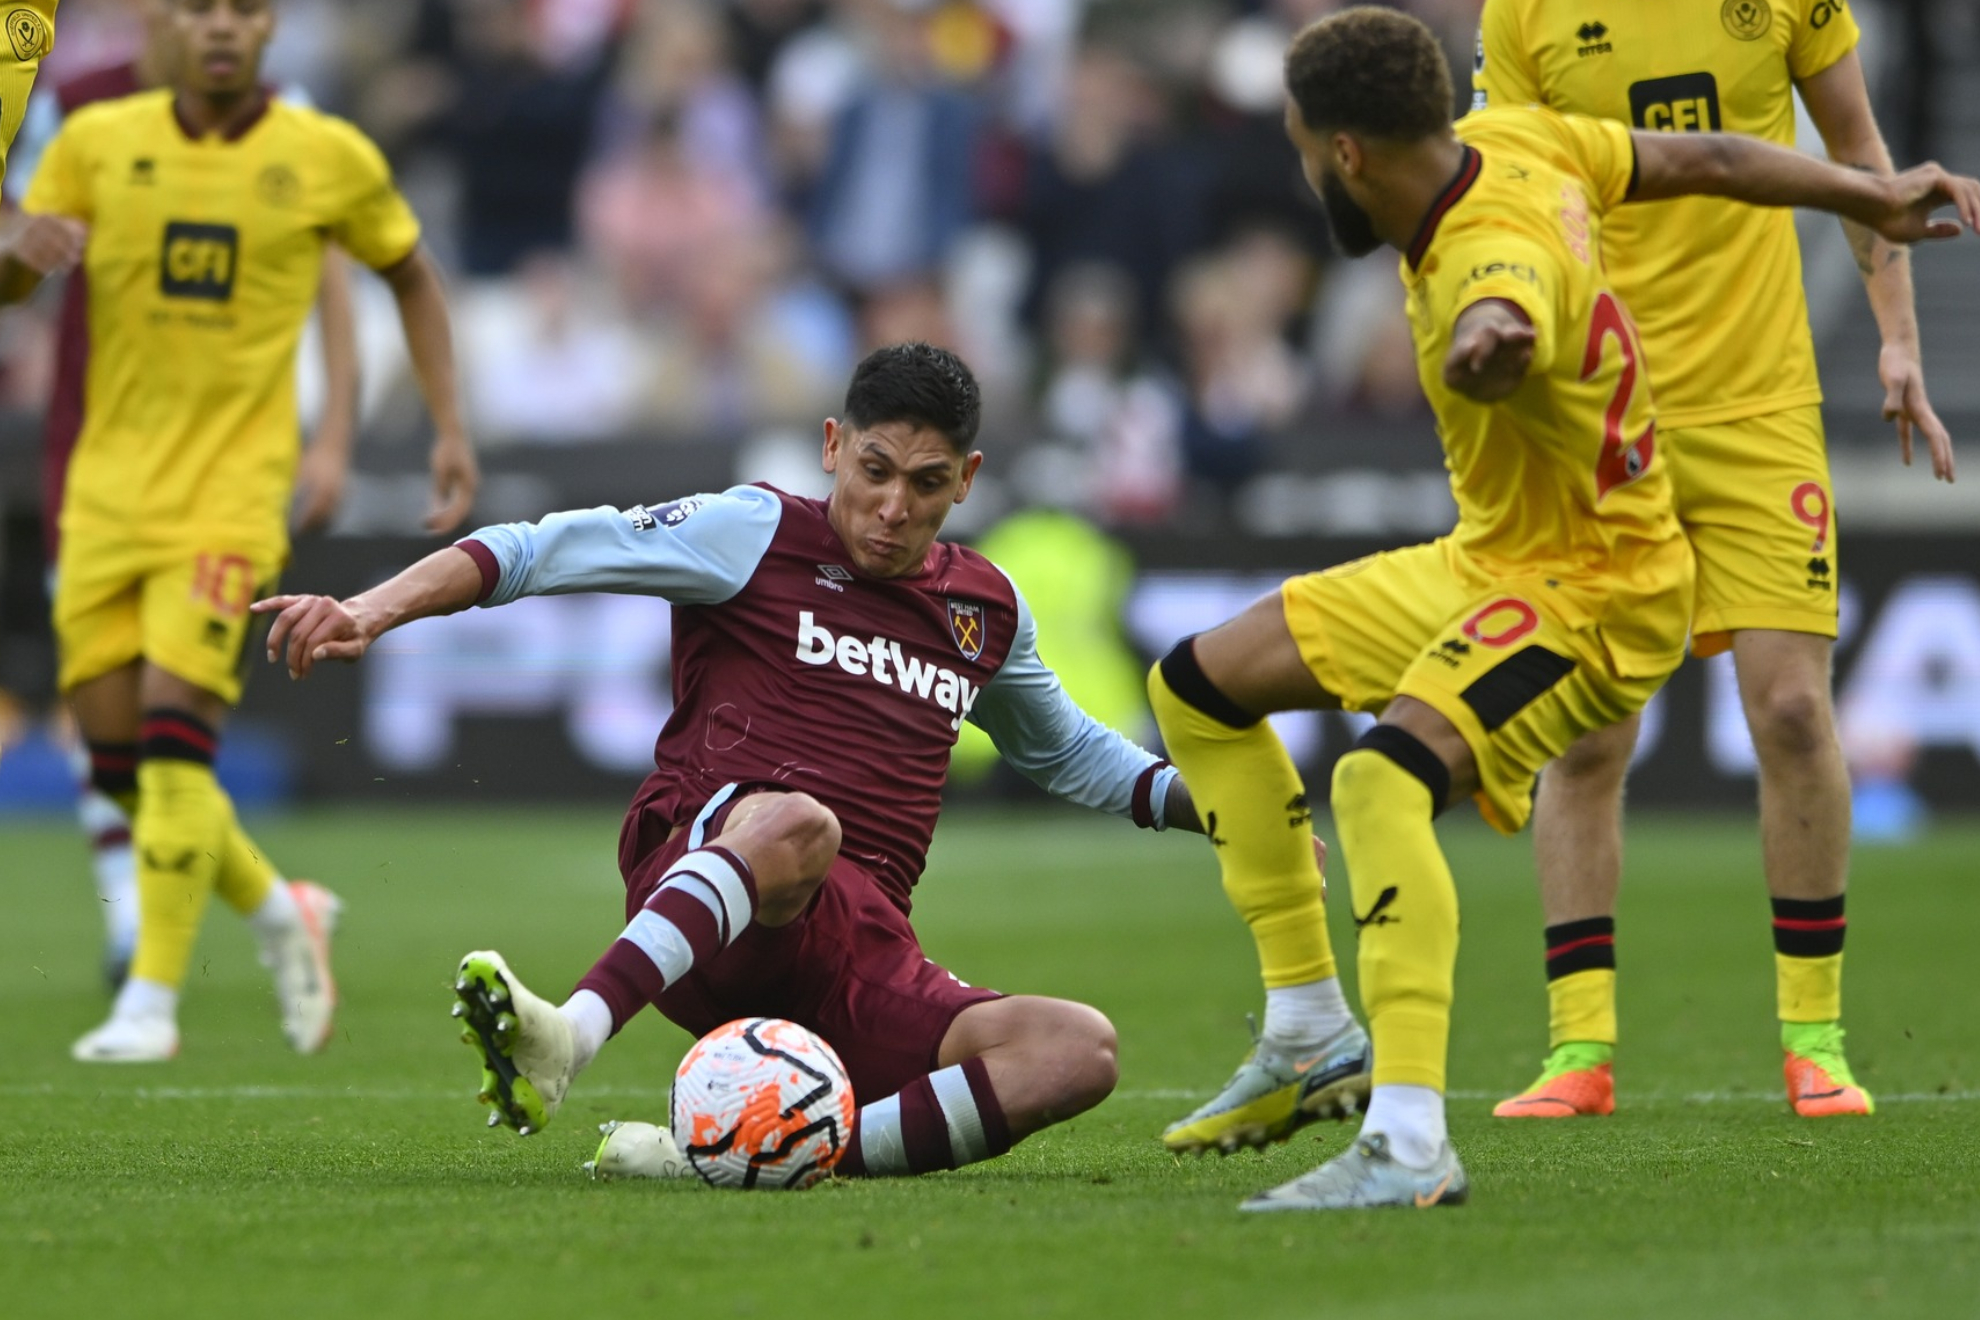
(770, 858)
(1312, 1059)
(1784, 687)
(1577, 848)
(188, 844)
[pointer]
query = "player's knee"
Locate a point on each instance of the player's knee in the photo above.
(1597, 762)
(1792, 719)
(1090, 1055)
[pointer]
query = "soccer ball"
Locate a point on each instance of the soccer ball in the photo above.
(761, 1102)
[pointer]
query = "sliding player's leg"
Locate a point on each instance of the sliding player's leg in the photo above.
(1577, 849)
(753, 861)
(1784, 686)
(1006, 1068)
(1209, 696)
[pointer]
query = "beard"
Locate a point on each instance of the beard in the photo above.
(1347, 224)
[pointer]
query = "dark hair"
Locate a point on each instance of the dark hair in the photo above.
(1370, 70)
(917, 383)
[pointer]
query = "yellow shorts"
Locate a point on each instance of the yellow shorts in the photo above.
(184, 611)
(1499, 662)
(1756, 504)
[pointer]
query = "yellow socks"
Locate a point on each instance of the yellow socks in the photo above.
(1405, 905)
(1581, 982)
(179, 833)
(1254, 807)
(1808, 954)
(246, 877)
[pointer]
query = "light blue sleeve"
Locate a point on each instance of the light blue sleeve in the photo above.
(40, 123)
(696, 551)
(1054, 743)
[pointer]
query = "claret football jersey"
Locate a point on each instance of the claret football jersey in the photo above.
(794, 669)
(204, 258)
(1715, 285)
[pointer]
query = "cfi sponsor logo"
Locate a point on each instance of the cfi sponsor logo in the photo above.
(882, 660)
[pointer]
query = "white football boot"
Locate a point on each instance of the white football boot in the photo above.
(300, 961)
(1368, 1174)
(129, 1039)
(528, 1050)
(637, 1150)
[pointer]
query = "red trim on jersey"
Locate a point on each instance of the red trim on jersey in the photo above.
(1460, 184)
(265, 97)
(484, 559)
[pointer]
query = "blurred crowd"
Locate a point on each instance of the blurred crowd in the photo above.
(688, 218)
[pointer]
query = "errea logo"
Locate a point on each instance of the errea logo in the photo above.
(882, 660)
(1594, 40)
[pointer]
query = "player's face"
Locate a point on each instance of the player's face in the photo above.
(220, 43)
(1347, 223)
(892, 486)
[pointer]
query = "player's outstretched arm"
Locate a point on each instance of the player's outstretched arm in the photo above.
(326, 464)
(1491, 349)
(312, 628)
(1839, 102)
(422, 299)
(1748, 170)
(43, 245)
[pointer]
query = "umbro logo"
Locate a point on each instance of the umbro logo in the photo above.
(1594, 40)
(833, 577)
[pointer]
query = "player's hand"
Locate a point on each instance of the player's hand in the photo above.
(1905, 403)
(1911, 197)
(320, 480)
(49, 243)
(456, 477)
(312, 628)
(1491, 349)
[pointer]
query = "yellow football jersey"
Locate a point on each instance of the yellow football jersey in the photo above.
(204, 258)
(30, 36)
(1561, 480)
(1715, 285)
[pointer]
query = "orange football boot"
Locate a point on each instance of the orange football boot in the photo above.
(1819, 1083)
(1577, 1081)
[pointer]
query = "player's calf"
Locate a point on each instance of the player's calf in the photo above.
(1026, 1063)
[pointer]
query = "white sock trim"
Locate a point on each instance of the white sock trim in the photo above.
(662, 943)
(718, 885)
(146, 999)
(1412, 1117)
(880, 1144)
(591, 1026)
(1307, 1014)
(967, 1143)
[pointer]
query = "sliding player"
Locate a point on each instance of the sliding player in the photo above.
(325, 462)
(825, 655)
(1556, 607)
(201, 215)
(1708, 280)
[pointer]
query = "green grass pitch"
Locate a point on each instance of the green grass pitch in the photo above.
(242, 1180)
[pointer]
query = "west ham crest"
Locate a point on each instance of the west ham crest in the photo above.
(966, 626)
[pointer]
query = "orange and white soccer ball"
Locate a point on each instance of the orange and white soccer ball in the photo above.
(761, 1102)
